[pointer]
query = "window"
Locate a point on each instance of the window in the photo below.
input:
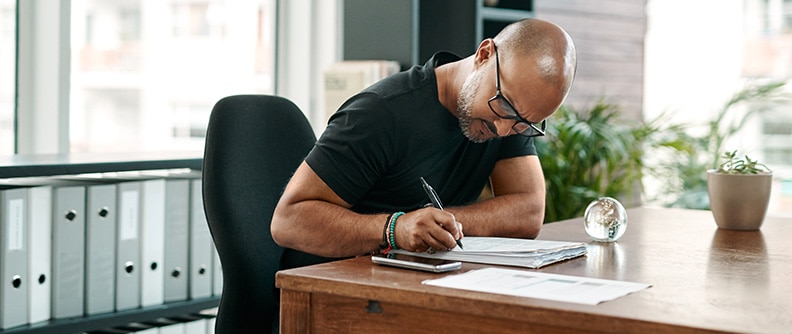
(7, 67)
(776, 135)
(145, 74)
(772, 16)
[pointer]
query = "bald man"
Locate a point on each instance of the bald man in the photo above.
(459, 124)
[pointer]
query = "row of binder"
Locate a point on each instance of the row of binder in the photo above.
(201, 323)
(81, 245)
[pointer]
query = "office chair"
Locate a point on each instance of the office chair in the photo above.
(254, 143)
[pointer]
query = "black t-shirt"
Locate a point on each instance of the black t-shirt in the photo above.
(382, 140)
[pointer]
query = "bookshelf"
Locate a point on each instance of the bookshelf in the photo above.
(411, 31)
(494, 15)
(115, 319)
(17, 166)
(56, 164)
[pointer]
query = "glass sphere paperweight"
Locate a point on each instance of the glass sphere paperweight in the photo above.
(605, 219)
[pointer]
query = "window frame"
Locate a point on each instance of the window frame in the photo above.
(42, 122)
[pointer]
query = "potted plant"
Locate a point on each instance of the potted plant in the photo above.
(682, 153)
(739, 192)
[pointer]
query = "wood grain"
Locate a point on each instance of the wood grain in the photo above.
(703, 280)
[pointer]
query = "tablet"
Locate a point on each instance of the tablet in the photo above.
(416, 263)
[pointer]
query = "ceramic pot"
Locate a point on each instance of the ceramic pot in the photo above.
(739, 202)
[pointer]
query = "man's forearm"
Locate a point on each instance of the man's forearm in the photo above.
(326, 229)
(512, 215)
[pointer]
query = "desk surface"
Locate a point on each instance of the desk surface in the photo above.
(703, 279)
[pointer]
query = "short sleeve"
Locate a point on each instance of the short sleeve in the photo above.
(515, 146)
(353, 152)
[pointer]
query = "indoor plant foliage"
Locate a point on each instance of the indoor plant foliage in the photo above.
(735, 165)
(739, 192)
(587, 155)
(592, 153)
(681, 167)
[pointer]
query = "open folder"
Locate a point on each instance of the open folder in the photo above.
(508, 251)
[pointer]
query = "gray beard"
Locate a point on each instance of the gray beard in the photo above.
(465, 106)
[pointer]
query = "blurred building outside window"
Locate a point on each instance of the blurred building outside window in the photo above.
(7, 77)
(146, 73)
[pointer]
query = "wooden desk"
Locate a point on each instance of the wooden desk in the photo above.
(703, 280)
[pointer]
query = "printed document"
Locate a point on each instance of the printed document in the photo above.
(520, 283)
(508, 251)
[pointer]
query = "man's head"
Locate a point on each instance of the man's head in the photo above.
(519, 78)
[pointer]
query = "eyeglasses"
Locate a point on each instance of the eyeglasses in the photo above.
(503, 109)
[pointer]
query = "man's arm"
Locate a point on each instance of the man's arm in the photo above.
(312, 218)
(517, 209)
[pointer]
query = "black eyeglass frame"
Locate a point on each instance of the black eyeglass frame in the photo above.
(522, 126)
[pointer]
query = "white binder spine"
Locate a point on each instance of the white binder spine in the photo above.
(68, 251)
(40, 265)
(128, 246)
(100, 249)
(177, 211)
(200, 246)
(13, 258)
(153, 242)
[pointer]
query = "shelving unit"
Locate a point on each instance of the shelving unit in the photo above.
(411, 31)
(492, 16)
(50, 165)
(110, 320)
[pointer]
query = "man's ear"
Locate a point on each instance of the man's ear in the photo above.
(484, 52)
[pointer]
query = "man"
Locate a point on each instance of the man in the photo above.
(458, 123)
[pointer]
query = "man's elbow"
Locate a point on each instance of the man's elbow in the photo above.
(279, 228)
(531, 231)
(533, 225)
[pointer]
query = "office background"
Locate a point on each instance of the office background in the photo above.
(102, 77)
(141, 75)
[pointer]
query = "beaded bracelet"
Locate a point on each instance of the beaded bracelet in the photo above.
(392, 230)
(385, 246)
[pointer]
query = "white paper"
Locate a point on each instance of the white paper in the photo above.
(509, 251)
(571, 289)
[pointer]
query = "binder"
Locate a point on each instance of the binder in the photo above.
(100, 248)
(211, 319)
(177, 211)
(127, 272)
(168, 326)
(13, 258)
(195, 326)
(174, 328)
(210, 325)
(152, 240)
(138, 328)
(139, 235)
(200, 246)
(68, 250)
(40, 253)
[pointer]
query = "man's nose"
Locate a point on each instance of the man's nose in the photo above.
(504, 126)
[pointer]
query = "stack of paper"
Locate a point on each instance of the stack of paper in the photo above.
(509, 251)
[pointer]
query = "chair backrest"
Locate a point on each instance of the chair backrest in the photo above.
(254, 143)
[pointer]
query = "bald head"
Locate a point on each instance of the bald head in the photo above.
(545, 47)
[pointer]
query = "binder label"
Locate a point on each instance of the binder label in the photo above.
(129, 215)
(16, 224)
